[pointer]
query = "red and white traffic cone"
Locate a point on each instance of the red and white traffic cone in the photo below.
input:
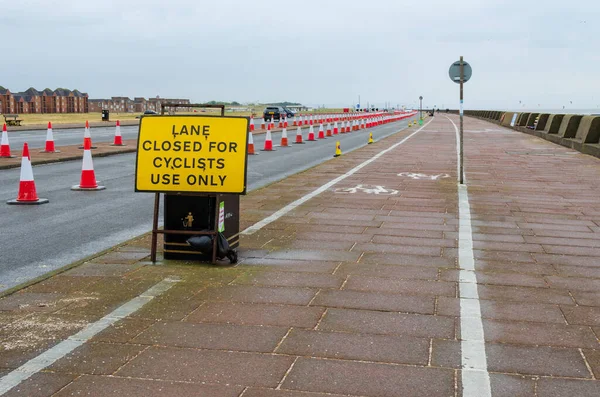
(118, 138)
(262, 124)
(328, 133)
(295, 121)
(251, 124)
(284, 138)
(4, 145)
(321, 132)
(311, 134)
(268, 142)
(50, 141)
(348, 128)
(342, 127)
(335, 128)
(272, 123)
(305, 120)
(311, 119)
(88, 177)
(87, 137)
(250, 144)
(299, 135)
(285, 122)
(27, 193)
(280, 125)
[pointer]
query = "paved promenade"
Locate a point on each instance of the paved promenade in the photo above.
(391, 282)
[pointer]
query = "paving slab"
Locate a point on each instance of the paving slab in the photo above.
(349, 294)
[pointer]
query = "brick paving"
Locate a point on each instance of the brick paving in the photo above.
(350, 294)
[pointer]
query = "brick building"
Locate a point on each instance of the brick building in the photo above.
(61, 100)
(121, 104)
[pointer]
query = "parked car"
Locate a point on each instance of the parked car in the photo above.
(273, 112)
(147, 112)
(289, 112)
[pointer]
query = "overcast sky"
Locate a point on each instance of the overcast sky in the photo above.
(523, 53)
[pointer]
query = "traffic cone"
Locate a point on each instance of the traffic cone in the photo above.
(305, 120)
(27, 193)
(285, 122)
(250, 144)
(299, 135)
(87, 137)
(335, 128)
(295, 121)
(311, 134)
(268, 142)
(321, 133)
(262, 124)
(118, 138)
(88, 177)
(280, 125)
(371, 138)
(338, 149)
(251, 125)
(272, 123)
(50, 141)
(4, 145)
(311, 119)
(328, 133)
(284, 140)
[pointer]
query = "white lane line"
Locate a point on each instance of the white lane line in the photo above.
(65, 347)
(475, 375)
(272, 218)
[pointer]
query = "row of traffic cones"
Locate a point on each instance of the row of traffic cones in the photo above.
(371, 119)
(27, 192)
(268, 145)
(50, 147)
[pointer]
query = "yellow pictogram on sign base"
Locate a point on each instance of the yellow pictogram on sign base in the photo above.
(199, 154)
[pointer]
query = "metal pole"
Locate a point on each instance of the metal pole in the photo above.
(462, 70)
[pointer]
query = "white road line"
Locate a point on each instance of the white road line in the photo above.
(65, 347)
(259, 225)
(475, 375)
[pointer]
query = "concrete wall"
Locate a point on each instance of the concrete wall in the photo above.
(542, 121)
(569, 125)
(522, 119)
(589, 130)
(531, 120)
(575, 131)
(553, 124)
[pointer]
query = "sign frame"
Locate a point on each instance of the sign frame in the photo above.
(245, 150)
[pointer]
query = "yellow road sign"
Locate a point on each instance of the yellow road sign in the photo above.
(200, 154)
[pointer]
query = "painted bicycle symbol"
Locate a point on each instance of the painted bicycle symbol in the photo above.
(423, 176)
(368, 189)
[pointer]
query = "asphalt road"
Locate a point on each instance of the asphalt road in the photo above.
(36, 139)
(74, 225)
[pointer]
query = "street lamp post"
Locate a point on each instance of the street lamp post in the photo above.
(421, 107)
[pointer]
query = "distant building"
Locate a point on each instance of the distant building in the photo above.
(121, 104)
(61, 100)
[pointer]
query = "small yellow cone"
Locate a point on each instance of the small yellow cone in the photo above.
(338, 149)
(410, 124)
(371, 138)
